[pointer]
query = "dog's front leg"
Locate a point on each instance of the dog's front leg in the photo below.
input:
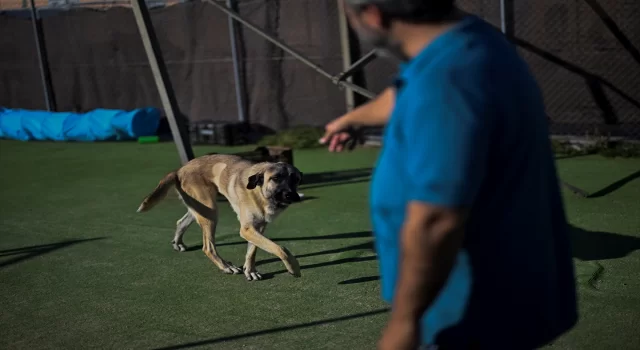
(250, 263)
(254, 237)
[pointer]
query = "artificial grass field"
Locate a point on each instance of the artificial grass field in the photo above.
(79, 268)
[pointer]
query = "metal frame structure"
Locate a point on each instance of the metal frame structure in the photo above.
(163, 83)
(165, 88)
(45, 72)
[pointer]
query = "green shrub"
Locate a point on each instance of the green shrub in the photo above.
(597, 144)
(298, 138)
(621, 149)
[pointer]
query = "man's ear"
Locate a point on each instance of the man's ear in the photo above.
(255, 180)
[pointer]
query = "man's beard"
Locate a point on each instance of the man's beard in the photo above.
(384, 45)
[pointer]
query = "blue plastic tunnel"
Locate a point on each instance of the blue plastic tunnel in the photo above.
(96, 125)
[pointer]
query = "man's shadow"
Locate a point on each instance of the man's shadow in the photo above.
(586, 246)
(596, 245)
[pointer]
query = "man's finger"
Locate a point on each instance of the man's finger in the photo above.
(324, 138)
(335, 141)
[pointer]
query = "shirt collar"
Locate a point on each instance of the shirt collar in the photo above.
(411, 67)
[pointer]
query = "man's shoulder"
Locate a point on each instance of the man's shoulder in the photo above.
(472, 56)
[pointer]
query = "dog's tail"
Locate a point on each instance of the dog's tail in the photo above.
(159, 192)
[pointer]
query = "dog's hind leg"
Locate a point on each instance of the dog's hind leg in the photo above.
(209, 245)
(181, 227)
(200, 197)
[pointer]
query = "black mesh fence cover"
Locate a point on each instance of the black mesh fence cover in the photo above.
(97, 61)
(584, 54)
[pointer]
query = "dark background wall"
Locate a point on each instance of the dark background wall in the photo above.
(590, 78)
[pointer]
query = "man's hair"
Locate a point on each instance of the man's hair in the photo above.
(410, 11)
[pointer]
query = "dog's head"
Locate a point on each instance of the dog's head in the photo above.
(278, 183)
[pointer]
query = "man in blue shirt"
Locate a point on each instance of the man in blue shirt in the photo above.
(468, 218)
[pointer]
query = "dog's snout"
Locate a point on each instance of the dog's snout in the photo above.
(292, 196)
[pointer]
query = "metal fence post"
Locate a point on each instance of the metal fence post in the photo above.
(235, 54)
(161, 76)
(345, 45)
(43, 60)
(506, 17)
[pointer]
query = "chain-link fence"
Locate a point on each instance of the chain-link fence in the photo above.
(584, 54)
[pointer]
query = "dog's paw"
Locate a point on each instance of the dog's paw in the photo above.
(293, 267)
(231, 269)
(295, 273)
(179, 246)
(252, 275)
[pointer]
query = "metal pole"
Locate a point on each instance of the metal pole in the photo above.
(45, 72)
(291, 51)
(235, 54)
(506, 17)
(161, 76)
(345, 45)
(363, 61)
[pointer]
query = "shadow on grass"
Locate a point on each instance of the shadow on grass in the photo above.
(594, 245)
(209, 342)
(361, 234)
(26, 253)
(361, 280)
(347, 182)
(332, 178)
(363, 246)
(369, 246)
(222, 199)
(586, 246)
(616, 185)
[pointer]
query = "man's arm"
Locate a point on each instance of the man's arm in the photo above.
(373, 113)
(431, 238)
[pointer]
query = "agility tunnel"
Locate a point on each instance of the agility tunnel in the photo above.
(92, 126)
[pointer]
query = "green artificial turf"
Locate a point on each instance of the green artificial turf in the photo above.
(79, 268)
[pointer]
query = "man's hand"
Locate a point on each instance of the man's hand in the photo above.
(400, 335)
(337, 134)
(340, 133)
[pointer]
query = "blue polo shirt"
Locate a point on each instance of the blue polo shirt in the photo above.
(469, 130)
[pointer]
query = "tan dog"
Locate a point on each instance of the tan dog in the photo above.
(257, 192)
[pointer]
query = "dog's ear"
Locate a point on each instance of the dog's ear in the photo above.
(300, 176)
(255, 180)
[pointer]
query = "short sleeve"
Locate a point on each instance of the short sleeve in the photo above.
(447, 129)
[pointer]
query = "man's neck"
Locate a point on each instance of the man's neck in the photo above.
(417, 37)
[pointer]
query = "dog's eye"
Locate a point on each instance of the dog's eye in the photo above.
(276, 178)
